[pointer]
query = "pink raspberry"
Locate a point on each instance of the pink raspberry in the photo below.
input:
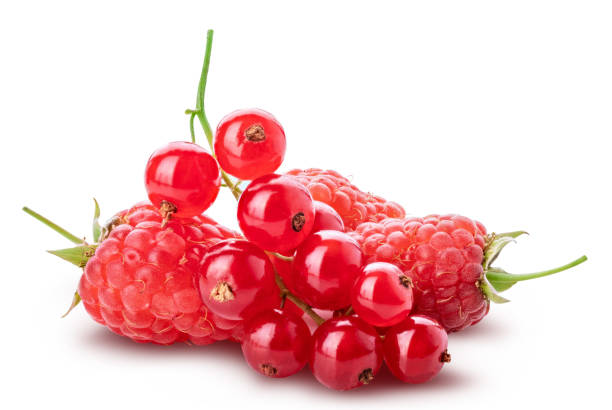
(443, 257)
(353, 205)
(140, 281)
(448, 258)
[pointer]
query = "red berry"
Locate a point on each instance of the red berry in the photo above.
(347, 353)
(382, 294)
(326, 218)
(249, 143)
(325, 267)
(276, 213)
(140, 281)
(353, 205)
(442, 255)
(182, 179)
(236, 280)
(415, 349)
(276, 343)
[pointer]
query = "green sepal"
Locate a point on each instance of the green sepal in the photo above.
(501, 280)
(76, 299)
(97, 229)
(79, 255)
(490, 292)
(494, 279)
(495, 244)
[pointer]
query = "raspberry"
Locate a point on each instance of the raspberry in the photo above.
(353, 205)
(448, 259)
(140, 281)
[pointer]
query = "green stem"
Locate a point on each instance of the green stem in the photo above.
(191, 129)
(54, 226)
(282, 257)
(202, 89)
(201, 113)
(297, 301)
(498, 276)
(233, 188)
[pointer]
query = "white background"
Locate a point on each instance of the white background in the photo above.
(497, 110)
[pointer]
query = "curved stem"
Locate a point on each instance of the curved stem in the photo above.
(54, 226)
(509, 277)
(297, 301)
(282, 257)
(201, 113)
(233, 188)
(202, 89)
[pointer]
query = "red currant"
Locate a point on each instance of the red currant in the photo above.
(347, 353)
(326, 218)
(325, 267)
(382, 294)
(276, 343)
(250, 143)
(182, 179)
(276, 213)
(415, 349)
(236, 280)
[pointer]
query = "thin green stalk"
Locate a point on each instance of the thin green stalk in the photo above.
(297, 301)
(283, 257)
(201, 113)
(54, 226)
(191, 129)
(508, 277)
(202, 89)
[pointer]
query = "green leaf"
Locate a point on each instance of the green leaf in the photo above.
(76, 299)
(496, 243)
(97, 229)
(78, 255)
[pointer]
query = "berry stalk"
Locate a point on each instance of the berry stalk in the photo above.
(500, 278)
(201, 114)
(286, 293)
(72, 238)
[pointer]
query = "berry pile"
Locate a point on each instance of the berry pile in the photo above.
(322, 272)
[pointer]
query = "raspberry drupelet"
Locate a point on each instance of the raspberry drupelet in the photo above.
(353, 205)
(140, 281)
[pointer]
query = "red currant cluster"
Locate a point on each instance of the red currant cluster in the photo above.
(344, 287)
(240, 284)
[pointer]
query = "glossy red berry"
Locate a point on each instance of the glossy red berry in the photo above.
(347, 353)
(326, 218)
(182, 179)
(415, 349)
(236, 280)
(325, 267)
(250, 143)
(382, 294)
(276, 213)
(276, 343)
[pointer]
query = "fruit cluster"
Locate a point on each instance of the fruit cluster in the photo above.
(322, 272)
